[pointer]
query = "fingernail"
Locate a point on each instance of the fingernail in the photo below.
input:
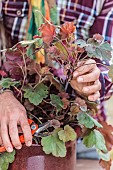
(29, 143)
(91, 99)
(85, 89)
(80, 79)
(75, 74)
(18, 147)
(9, 149)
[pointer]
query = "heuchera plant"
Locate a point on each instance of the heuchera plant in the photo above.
(40, 78)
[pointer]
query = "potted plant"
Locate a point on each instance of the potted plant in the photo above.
(40, 77)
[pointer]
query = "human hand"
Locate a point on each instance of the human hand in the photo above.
(12, 113)
(86, 79)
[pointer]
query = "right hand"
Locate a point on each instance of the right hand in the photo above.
(12, 113)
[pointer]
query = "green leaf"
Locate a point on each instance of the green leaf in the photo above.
(5, 159)
(95, 138)
(95, 122)
(81, 43)
(104, 156)
(100, 141)
(35, 96)
(62, 49)
(29, 42)
(106, 46)
(68, 134)
(110, 73)
(8, 82)
(85, 120)
(30, 51)
(102, 54)
(52, 144)
(89, 140)
(56, 101)
(93, 42)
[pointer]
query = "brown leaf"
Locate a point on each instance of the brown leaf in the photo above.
(105, 164)
(28, 105)
(74, 109)
(48, 32)
(63, 95)
(107, 131)
(99, 38)
(67, 29)
(65, 103)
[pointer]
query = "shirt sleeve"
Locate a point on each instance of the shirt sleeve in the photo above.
(86, 13)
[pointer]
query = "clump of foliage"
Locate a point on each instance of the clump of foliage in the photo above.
(40, 78)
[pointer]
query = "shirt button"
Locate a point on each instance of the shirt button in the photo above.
(19, 12)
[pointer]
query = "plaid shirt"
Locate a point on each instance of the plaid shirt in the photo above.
(85, 13)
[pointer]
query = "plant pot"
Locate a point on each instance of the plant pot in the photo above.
(33, 158)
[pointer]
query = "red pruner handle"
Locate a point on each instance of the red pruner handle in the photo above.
(2, 149)
(34, 128)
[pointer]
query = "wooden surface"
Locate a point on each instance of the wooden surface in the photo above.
(88, 165)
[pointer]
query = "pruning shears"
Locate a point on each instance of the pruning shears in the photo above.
(35, 130)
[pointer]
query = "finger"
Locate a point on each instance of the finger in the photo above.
(93, 88)
(5, 137)
(94, 97)
(26, 131)
(0, 138)
(13, 132)
(90, 77)
(84, 68)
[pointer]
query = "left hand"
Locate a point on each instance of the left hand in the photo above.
(86, 79)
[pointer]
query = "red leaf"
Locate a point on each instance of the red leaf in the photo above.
(3, 73)
(105, 164)
(67, 29)
(48, 32)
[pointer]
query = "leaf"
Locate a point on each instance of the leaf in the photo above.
(30, 51)
(56, 101)
(62, 49)
(92, 42)
(55, 82)
(3, 73)
(100, 141)
(102, 54)
(5, 159)
(89, 140)
(99, 38)
(28, 42)
(68, 134)
(74, 109)
(104, 156)
(66, 29)
(8, 82)
(107, 132)
(85, 120)
(48, 32)
(105, 164)
(52, 144)
(110, 73)
(95, 138)
(35, 96)
(81, 43)
(106, 46)
(95, 122)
